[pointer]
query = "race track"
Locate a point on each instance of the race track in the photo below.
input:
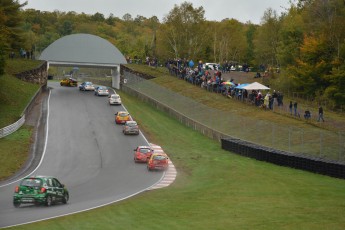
(87, 152)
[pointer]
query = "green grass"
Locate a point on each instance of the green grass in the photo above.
(14, 151)
(14, 66)
(14, 93)
(14, 97)
(215, 189)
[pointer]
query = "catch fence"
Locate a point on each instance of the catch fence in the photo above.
(313, 142)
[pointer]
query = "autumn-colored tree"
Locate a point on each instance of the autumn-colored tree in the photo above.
(267, 39)
(183, 30)
(10, 31)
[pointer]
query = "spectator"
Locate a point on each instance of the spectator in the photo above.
(275, 97)
(270, 104)
(267, 101)
(320, 114)
(307, 114)
(295, 108)
(290, 107)
(280, 99)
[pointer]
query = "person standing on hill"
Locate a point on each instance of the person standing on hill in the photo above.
(290, 107)
(320, 114)
(295, 108)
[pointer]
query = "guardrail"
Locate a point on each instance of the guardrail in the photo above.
(12, 128)
(16, 125)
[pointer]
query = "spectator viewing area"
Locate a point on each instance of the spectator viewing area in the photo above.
(85, 50)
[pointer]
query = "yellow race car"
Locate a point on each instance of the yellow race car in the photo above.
(69, 82)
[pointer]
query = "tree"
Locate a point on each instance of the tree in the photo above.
(98, 17)
(250, 34)
(267, 39)
(10, 21)
(10, 31)
(183, 29)
(291, 37)
(229, 41)
(66, 28)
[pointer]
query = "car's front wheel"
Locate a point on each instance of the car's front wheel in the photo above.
(49, 201)
(65, 198)
(16, 204)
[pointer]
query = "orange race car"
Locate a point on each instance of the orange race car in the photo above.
(69, 82)
(121, 117)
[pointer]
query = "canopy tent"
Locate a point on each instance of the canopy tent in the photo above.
(255, 86)
(241, 86)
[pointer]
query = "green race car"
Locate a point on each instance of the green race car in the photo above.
(40, 190)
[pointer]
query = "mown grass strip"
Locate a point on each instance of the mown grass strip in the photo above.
(214, 189)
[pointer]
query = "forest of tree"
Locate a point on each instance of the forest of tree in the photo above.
(307, 41)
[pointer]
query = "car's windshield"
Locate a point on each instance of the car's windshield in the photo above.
(32, 182)
(131, 124)
(123, 114)
(145, 150)
(159, 157)
(115, 96)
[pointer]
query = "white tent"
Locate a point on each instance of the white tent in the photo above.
(255, 86)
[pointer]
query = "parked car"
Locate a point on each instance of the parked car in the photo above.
(114, 99)
(86, 86)
(101, 91)
(158, 161)
(130, 127)
(212, 66)
(142, 154)
(121, 117)
(40, 190)
(69, 82)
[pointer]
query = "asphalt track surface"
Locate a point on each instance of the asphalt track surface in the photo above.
(88, 153)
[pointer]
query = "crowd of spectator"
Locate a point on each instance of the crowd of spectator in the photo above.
(212, 80)
(22, 54)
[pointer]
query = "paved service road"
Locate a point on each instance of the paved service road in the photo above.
(88, 153)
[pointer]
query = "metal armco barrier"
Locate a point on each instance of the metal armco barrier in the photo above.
(12, 128)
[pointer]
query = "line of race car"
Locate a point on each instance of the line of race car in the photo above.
(47, 190)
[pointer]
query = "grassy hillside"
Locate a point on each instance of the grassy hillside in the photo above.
(335, 121)
(14, 93)
(14, 97)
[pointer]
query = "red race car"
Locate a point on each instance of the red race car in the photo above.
(142, 153)
(158, 161)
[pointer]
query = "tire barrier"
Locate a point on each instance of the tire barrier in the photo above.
(282, 158)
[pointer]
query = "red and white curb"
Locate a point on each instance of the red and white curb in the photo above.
(169, 174)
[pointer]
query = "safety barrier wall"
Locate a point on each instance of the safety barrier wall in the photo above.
(283, 158)
(316, 165)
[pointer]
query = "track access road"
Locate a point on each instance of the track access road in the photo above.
(88, 153)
